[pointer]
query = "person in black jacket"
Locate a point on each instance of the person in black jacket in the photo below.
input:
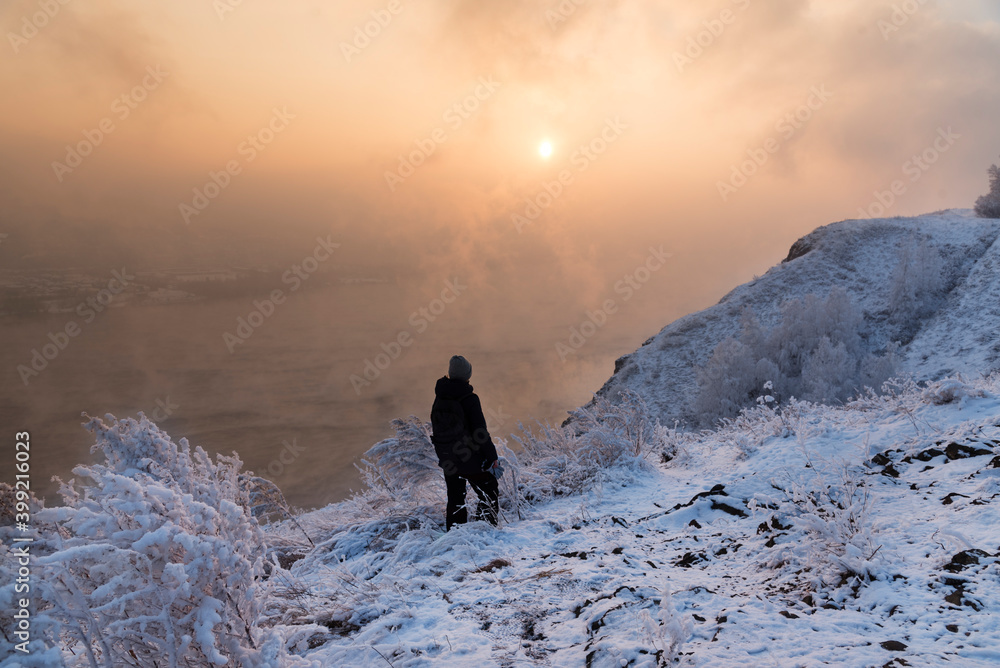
(463, 444)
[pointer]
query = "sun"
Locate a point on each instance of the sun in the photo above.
(545, 149)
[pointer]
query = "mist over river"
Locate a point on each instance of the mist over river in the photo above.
(283, 399)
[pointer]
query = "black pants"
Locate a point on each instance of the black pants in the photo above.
(486, 488)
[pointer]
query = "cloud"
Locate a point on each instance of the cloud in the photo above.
(561, 80)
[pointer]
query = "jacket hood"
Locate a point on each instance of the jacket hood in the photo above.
(449, 388)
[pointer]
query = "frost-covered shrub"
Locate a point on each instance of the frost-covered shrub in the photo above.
(814, 352)
(677, 444)
(595, 439)
(988, 206)
(404, 467)
(837, 518)
(157, 560)
(951, 389)
(667, 632)
(610, 433)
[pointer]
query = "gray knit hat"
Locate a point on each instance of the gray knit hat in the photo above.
(459, 368)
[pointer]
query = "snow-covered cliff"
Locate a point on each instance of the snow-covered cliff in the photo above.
(955, 332)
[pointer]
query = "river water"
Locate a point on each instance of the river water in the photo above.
(284, 399)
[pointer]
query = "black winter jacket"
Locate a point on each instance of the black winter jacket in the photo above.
(475, 452)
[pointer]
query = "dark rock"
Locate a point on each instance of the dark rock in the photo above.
(718, 490)
(725, 507)
(620, 362)
(881, 460)
(690, 559)
(947, 501)
(963, 559)
(893, 646)
(959, 451)
(798, 249)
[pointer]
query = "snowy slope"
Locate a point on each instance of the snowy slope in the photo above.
(965, 335)
(859, 255)
(862, 535)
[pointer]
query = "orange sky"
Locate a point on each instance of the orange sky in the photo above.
(690, 89)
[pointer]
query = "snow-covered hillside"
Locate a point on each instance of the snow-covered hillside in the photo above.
(862, 535)
(862, 256)
(795, 534)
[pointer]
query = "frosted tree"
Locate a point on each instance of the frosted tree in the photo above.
(733, 378)
(988, 206)
(916, 287)
(814, 352)
(877, 369)
(805, 322)
(829, 372)
(158, 560)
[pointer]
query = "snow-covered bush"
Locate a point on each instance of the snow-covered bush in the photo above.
(988, 206)
(677, 443)
(838, 518)
(949, 390)
(836, 550)
(815, 352)
(40, 649)
(157, 560)
(806, 322)
(609, 433)
(404, 467)
(594, 440)
(667, 632)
